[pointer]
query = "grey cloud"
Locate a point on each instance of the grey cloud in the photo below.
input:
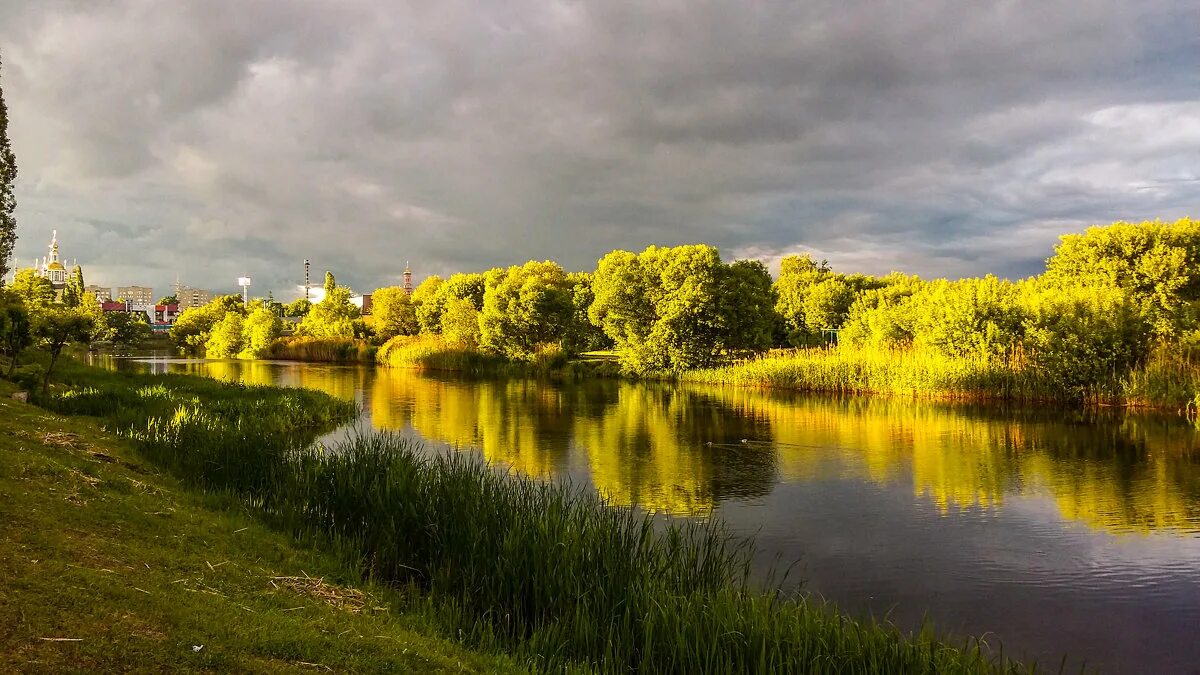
(213, 139)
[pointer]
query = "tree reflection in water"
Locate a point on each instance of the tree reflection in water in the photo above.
(679, 448)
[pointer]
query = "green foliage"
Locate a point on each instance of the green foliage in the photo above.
(8, 199)
(34, 290)
(127, 329)
(797, 275)
(259, 331)
(678, 308)
(16, 327)
(814, 302)
(168, 300)
(225, 339)
(333, 317)
(298, 307)
(393, 313)
(460, 323)
(330, 283)
(434, 295)
(524, 308)
(969, 316)
(882, 318)
(193, 327)
(56, 327)
(1085, 338)
(430, 304)
(1110, 297)
(89, 306)
(1157, 263)
(72, 293)
(747, 305)
(28, 377)
(582, 335)
(465, 286)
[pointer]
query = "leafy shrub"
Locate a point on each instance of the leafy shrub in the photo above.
(30, 376)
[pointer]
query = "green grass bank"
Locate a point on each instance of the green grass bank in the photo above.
(548, 574)
(109, 564)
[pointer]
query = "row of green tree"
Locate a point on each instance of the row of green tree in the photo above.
(1107, 298)
(32, 316)
(228, 328)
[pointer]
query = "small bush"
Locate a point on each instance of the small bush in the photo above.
(30, 376)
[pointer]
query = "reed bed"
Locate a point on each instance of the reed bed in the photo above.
(435, 353)
(1168, 379)
(324, 350)
(545, 571)
(844, 370)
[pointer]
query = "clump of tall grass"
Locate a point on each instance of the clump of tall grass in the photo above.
(558, 576)
(543, 570)
(911, 372)
(1169, 378)
(434, 352)
(326, 350)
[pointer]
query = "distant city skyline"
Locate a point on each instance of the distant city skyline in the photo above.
(219, 139)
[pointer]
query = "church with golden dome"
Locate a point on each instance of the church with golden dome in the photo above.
(51, 268)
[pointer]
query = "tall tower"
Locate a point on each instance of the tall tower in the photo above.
(408, 289)
(307, 284)
(244, 282)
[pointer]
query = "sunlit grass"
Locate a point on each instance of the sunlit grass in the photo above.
(1170, 378)
(1167, 379)
(327, 350)
(435, 353)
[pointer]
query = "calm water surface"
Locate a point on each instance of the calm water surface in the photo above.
(1051, 532)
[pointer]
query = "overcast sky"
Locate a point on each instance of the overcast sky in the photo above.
(214, 138)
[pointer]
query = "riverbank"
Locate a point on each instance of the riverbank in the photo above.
(550, 575)
(108, 564)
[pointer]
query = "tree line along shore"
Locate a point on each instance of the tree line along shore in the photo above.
(456, 560)
(1114, 320)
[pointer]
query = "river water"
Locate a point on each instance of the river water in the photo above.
(1051, 532)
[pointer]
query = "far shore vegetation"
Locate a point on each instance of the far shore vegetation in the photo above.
(1114, 320)
(393, 543)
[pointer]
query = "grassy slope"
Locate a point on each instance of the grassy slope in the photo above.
(99, 547)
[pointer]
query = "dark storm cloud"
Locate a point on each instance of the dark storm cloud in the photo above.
(214, 139)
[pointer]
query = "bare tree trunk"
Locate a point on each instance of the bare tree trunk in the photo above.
(53, 358)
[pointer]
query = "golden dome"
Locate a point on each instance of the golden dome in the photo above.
(55, 266)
